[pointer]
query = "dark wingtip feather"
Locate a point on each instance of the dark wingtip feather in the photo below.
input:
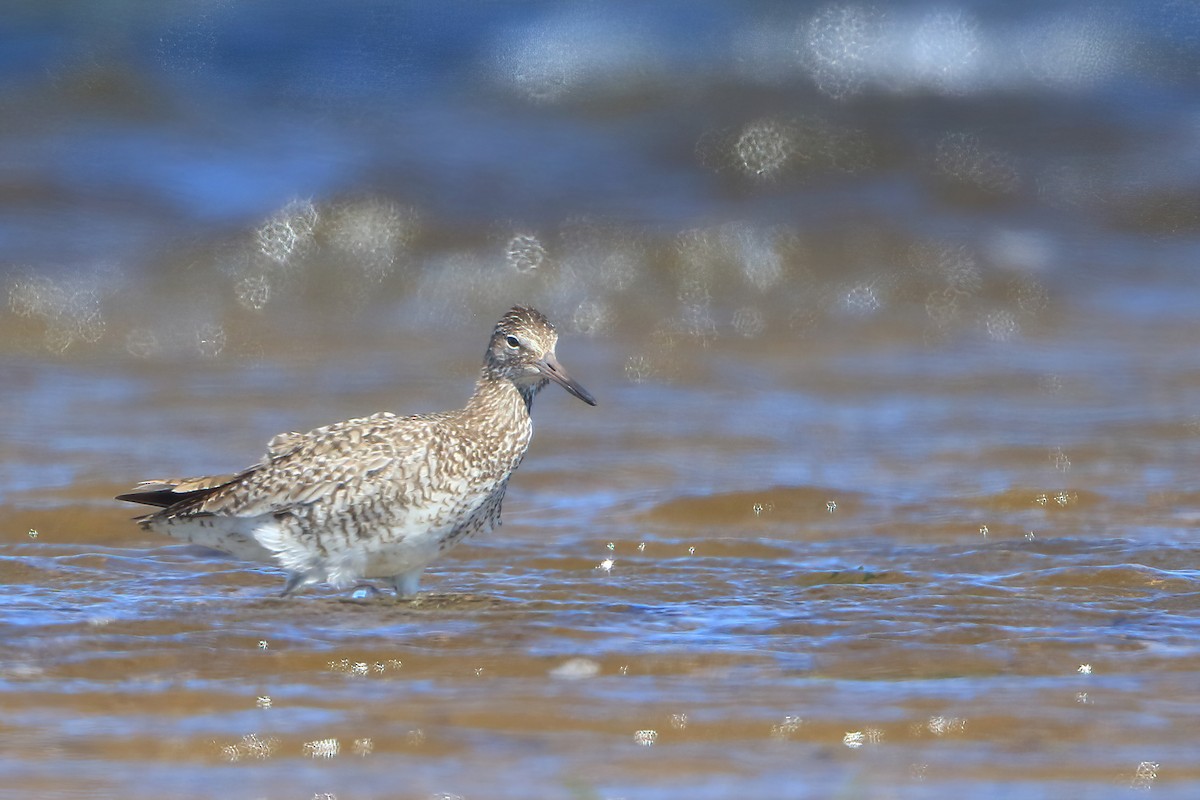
(161, 498)
(174, 492)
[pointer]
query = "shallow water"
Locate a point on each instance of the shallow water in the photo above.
(891, 488)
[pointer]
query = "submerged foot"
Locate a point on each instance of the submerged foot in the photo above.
(368, 594)
(365, 591)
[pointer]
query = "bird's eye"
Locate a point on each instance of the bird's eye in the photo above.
(513, 342)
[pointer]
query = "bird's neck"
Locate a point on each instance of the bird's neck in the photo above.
(500, 401)
(498, 412)
(497, 394)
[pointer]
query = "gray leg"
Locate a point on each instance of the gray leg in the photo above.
(406, 582)
(295, 581)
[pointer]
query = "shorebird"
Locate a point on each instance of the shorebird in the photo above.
(376, 497)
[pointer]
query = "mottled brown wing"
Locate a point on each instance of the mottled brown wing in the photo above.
(348, 462)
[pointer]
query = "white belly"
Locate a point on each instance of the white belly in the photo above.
(337, 552)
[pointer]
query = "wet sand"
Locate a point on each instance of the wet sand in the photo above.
(639, 627)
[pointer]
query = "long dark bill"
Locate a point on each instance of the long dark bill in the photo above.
(554, 371)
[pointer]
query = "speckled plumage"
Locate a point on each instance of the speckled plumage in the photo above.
(381, 496)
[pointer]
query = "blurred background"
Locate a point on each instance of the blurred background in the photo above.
(906, 292)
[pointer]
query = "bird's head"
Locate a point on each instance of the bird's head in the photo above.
(522, 351)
